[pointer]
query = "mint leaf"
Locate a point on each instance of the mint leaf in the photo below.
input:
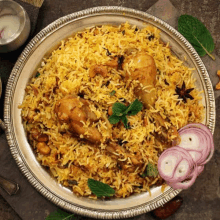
(100, 189)
(197, 34)
(60, 215)
(125, 121)
(150, 170)
(114, 119)
(112, 93)
(118, 109)
(134, 107)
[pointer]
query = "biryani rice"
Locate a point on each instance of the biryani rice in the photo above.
(66, 71)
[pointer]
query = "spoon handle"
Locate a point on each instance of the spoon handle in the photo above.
(2, 125)
(9, 186)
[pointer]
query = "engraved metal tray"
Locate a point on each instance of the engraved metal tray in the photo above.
(26, 66)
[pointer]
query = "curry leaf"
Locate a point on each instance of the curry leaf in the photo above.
(100, 189)
(197, 34)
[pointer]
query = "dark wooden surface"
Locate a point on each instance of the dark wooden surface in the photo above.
(208, 11)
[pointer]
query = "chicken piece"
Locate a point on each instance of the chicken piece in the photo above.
(145, 72)
(75, 111)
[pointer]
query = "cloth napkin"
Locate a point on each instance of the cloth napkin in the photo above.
(28, 203)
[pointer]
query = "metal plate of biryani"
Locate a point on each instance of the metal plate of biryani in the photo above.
(64, 128)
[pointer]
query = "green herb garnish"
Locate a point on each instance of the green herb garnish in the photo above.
(150, 170)
(37, 75)
(197, 34)
(112, 93)
(100, 189)
(61, 215)
(120, 112)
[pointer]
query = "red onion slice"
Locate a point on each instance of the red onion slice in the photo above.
(196, 140)
(195, 155)
(191, 134)
(189, 140)
(175, 164)
(186, 161)
(199, 170)
(196, 125)
(185, 184)
(181, 170)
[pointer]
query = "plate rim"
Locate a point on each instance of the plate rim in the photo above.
(11, 85)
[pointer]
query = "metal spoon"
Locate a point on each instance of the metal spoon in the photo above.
(9, 186)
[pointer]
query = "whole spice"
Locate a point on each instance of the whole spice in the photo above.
(151, 37)
(107, 83)
(183, 93)
(165, 81)
(120, 61)
(168, 209)
(107, 52)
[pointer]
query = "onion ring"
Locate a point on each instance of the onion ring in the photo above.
(205, 137)
(180, 165)
(175, 164)
(185, 184)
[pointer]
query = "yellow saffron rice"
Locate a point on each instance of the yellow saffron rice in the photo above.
(72, 160)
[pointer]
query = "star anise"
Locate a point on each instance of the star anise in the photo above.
(183, 93)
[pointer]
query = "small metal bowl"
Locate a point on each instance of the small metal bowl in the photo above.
(8, 7)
